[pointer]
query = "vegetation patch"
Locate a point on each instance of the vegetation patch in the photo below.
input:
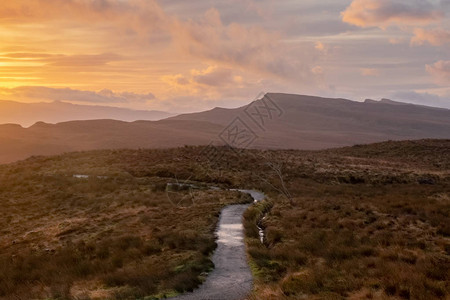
(370, 238)
(360, 222)
(107, 235)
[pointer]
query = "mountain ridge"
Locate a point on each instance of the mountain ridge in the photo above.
(301, 122)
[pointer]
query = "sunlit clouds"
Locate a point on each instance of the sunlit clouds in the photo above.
(73, 95)
(435, 37)
(384, 13)
(369, 72)
(441, 71)
(184, 56)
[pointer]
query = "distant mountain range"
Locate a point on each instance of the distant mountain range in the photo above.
(308, 122)
(27, 114)
(276, 121)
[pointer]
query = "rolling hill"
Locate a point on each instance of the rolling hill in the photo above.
(278, 121)
(47, 139)
(27, 114)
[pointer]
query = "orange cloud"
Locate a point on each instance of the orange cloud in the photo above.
(435, 37)
(319, 46)
(60, 94)
(60, 43)
(70, 43)
(245, 47)
(211, 82)
(139, 15)
(440, 71)
(396, 41)
(317, 70)
(384, 13)
(214, 76)
(211, 86)
(369, 72)
(63, 60)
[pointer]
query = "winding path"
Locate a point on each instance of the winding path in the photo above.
(231, 278)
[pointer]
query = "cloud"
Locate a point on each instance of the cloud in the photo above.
(236, 50)
(440, 71)
(405, 15)
(84, 60)
(369, 72)
(423, 98)
(214, 76)
(245, 47)
(248, 47)
(211, 82)
(435, 37)
(62, 60)
(384, 13)
(319, 46)
(396, 41)
(209, 87)
(138, 15)
(67, 94)
(215, 85)
(317, 70)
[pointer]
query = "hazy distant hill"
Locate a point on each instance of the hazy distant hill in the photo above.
(303, 122)
(44, 139)
(27, 114)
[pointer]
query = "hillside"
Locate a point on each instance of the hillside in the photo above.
(297, 122)
(307, 122)
(362, 222)
(27, 114)
(47, 139)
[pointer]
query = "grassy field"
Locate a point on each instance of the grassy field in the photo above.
(364, 222)
(110, 236)
(367, 222)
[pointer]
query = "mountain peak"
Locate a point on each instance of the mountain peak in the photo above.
(389, 101)
(385, 101)
(217, 108)
(40, 124)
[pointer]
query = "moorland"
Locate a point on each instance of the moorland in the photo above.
(360, 222)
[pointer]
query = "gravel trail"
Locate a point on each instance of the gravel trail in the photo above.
(231, 278)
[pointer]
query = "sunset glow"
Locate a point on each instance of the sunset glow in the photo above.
(223, 53)
(226, 149)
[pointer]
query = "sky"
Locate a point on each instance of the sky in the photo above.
(183, 56)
